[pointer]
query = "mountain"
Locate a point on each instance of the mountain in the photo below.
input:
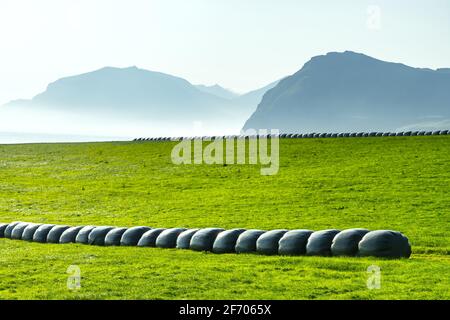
(348, 91)
(218, 91)
(128, 101)
(249, 98)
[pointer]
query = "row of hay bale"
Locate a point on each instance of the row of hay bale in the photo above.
(306, 135)
(350, 242)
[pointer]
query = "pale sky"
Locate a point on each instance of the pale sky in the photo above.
(240, 44)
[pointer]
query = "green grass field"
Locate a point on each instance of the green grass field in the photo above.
(400, 183)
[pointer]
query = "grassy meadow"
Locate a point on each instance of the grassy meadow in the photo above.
(400, 183)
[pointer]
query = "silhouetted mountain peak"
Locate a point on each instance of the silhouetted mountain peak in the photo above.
(349, 91)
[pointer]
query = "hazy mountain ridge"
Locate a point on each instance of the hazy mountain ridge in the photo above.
(218, 91)
(353, 92)
(132, 97)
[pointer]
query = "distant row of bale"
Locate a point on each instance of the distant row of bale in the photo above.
(350, 242)
(306, 135)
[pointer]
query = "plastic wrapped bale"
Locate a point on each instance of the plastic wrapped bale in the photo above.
(421, 133)
(386, 134)
(28, 232)
(334, 135)
(83, 234)
(9, 228)
(148, 239)
(168, 238)
(293, 243)
(345, 243)
(132, 236)
(226, 241)
(323, 135)
(436, 133)
(407, 133)
(98, 235)
(17, 232)
(268, 242)
(415, 133)
(2, 229)
(319, 243)
(399, 134)
(113, 237)
(384, 243)
(246, 243)
(69, 235)
(41, 233)
(203, 240)
(444, 132)
(55, 234)
(184, 239)
(353, 134)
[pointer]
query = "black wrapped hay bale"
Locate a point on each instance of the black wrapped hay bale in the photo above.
(55, 234)
(345, 243)
(83, 234)
(16, 233)
(268, 242)
(114, 236)
(319, 243)
(168, 238)
(2, 229)
(294, 242)
(184, 239)
(226, 241)
(246, 242)
(29, 231)
(9, 228)
(384, 243)
(203, 240)
(98, 235)
(132, 236)
(41, 233)
(70, 235)
(148, 239)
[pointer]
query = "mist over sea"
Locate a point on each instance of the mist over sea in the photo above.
(20, 138)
